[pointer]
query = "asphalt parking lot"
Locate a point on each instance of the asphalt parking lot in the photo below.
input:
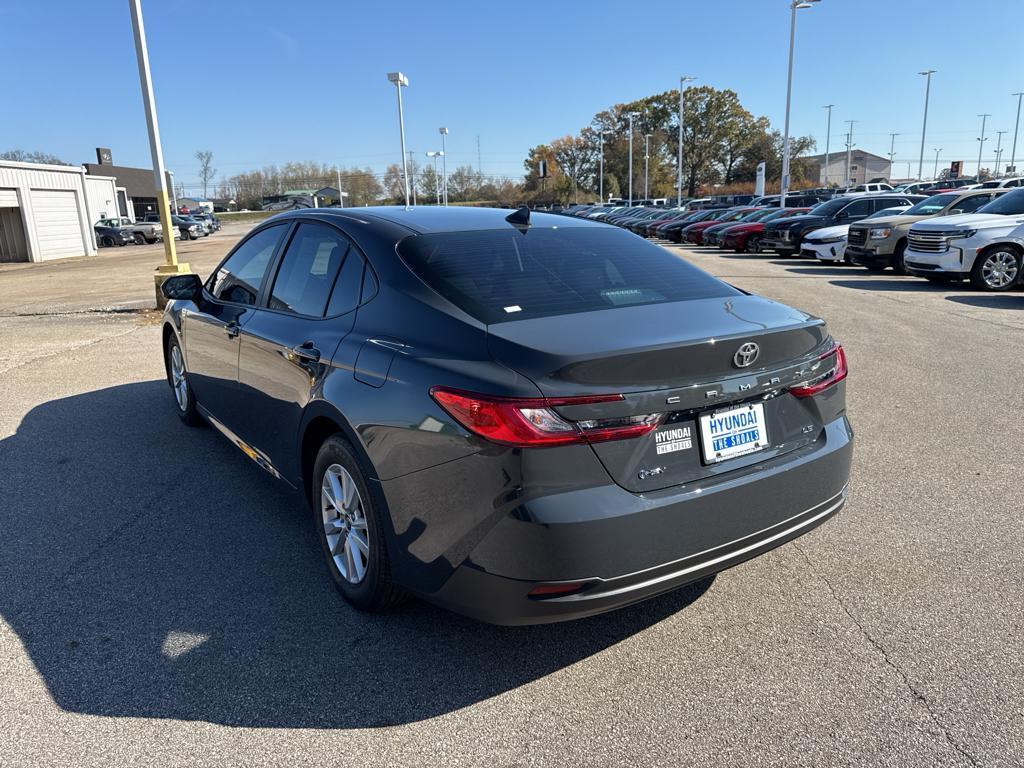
(162, 601)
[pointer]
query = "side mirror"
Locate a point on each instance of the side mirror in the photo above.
(955, 211)
(182, 287)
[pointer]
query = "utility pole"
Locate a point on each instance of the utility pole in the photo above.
(647, 162)
(401, 81)
(679, 163)
(892, 149)
(171, 266)
(412, 182)
(444, 163)
(999, 151)
(600, 172)
(631, 116)
(935, 172)
(982, 140)
(479, 162)
(341, 197)
(924, 126)
(849, 151)
(828, 137)
(1013, 152)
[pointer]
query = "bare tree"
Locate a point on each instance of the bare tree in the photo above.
(206, 169)
(21, 156)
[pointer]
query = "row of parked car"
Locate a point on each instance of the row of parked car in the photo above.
(971, 233)
(123, 231)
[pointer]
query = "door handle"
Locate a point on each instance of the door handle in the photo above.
(231, 329)
(305, 351)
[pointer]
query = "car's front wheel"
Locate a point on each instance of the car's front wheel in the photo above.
(996, 270)
(177, 377)
(753, 244)
(349, 526)
(899, 264)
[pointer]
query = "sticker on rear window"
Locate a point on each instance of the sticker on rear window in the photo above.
(669, 440)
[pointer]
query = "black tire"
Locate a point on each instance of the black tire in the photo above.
(186, 410)
(1005, 279)
(106, 242)
(140, 239)
(375, 591)
(753, 244)
(899, 266)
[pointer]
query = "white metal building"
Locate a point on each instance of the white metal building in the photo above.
(47, 211)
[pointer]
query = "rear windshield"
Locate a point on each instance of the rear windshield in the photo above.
(502, 275)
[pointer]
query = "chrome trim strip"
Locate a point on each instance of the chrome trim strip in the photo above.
(836, 502)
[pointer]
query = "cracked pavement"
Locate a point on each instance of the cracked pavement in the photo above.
(162, 603)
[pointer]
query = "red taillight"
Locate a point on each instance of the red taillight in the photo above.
(531, 422)
(826, 378)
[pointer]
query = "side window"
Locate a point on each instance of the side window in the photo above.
(240, 277)
(973, 203)
(306, 275)
(858, 209)
(345, 295)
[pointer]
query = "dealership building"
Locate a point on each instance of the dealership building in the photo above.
(47, 211)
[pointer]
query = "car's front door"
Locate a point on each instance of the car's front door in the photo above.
(288, 343)
(210, 332)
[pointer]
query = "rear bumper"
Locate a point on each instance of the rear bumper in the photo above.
(623, 547)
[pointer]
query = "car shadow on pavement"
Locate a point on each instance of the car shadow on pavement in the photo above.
(893, 284)
(823, 270)
(151, 570)
(991, 300)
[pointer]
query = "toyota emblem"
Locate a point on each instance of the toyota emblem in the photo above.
(746, 354)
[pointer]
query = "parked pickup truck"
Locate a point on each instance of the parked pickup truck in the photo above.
(141, 232)
(981, 247)
(880, 243)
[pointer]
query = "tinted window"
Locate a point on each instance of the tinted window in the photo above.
(240, 277)
(931, 205)
(1010, 204)
(345, 295)
(500, 275)
(858, 208)
(306, 275)
(973, 203)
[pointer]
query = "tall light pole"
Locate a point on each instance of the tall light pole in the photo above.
(631, 115)
(174, 195)
(437, 185)
(935, 172)
(171, 266)
(892, 149)
(999, 149)
(1013, 152)
(444, 163)
(828, 137)
(401, 81)
(794, 6)
(647, 161)
(924, 125)
(849, 151)
(982, 140)
(600, 180)
(411, 182)
(679, 162)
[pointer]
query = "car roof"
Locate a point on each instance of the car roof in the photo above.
(425, 219)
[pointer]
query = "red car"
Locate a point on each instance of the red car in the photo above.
(695, 232)
(746, 237)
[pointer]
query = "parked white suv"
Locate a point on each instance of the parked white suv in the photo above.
(867, 189)
(982, 246)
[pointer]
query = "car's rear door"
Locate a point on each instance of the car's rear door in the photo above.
(210, 331)
(287, 345)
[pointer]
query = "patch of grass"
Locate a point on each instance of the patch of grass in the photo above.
(245, 215)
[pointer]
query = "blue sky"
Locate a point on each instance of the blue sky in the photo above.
(266, 82)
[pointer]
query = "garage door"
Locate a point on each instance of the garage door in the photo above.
(57, 224)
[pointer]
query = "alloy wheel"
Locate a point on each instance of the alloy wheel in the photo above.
(999, 270)
(344, 520)
(178, 380)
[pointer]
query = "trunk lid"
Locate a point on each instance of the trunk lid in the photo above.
(676, 360)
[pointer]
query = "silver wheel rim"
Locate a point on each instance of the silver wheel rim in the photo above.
(348, 537)
(178, 381)
(999, 270)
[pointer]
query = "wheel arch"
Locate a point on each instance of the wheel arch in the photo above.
(1013, 245)
(320, 420)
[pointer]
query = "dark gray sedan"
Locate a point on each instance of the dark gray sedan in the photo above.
(524, 418)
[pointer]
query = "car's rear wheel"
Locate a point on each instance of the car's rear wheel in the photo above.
(177, 377)
(349, 525)
(106, 242)
(140, 239)
(996, 270)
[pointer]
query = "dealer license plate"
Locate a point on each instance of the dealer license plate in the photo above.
(733, 432)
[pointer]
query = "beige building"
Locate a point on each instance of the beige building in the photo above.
(864, 167)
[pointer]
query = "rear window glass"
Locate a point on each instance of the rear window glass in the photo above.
(502, 275)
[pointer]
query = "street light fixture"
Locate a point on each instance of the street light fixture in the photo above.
(982, 139)
(437, 185)
(828, 137)
(935, 172)
(647, 162)
(1013, 152)
(892, 148)
(999, 149)
(679, 162)
(631, 115)
(401, 81)
(444, 163)
(793, 7)
(927, 93)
